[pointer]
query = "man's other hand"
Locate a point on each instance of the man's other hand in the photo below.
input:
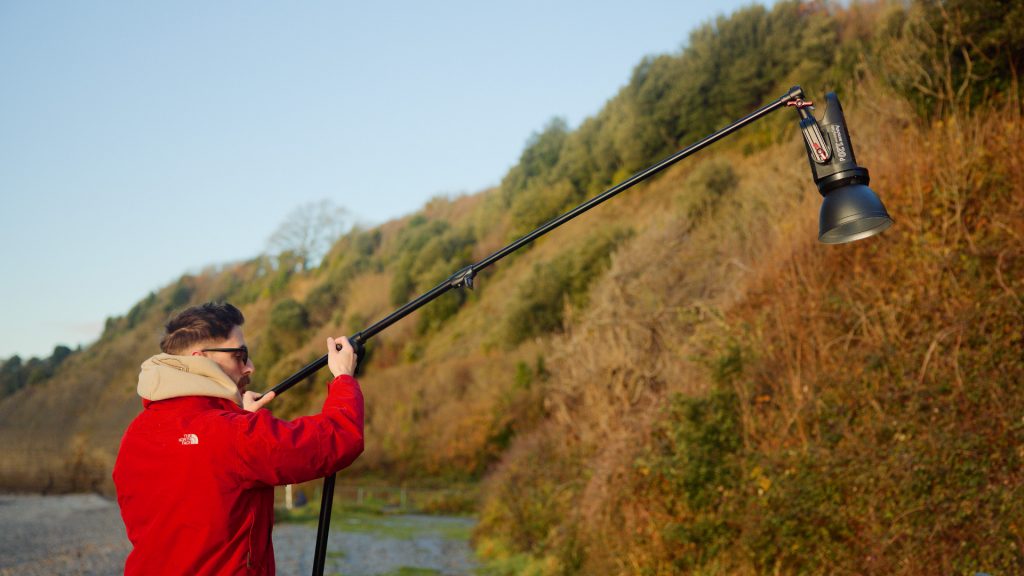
(252, 401)
(341, 362)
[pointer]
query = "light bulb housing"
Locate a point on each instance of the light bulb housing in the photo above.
(849, 210)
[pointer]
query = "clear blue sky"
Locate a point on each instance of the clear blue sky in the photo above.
(143, 140)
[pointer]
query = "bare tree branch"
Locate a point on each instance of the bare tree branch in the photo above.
(309, 231)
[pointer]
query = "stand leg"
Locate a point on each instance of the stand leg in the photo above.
(326, 501)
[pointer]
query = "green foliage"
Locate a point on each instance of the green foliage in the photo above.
(533, 190)
(520, 408)
(174, 299)
(109, 326)
(138, 311)
(802, 527)
(540, 305)
(694, 449)
(430, 251)
(432, 317)
(703, 434)
(730, 67)
(402, 282)
(540, 203)
(278, 280)
(180, 295)
(705, 188)
(952, 54)
(539, 156)
(411, 571)
(524, 376)
(288, 317)
(351, 256)
(691, 468)
(729, 365)
(417, 232)
(501, 560)
(15, 374)
(289, 322)
(287, 329)
(248, 281)
(12, 375)
(533, 499)
(324, 302)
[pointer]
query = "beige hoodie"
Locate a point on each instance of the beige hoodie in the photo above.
(167, 376)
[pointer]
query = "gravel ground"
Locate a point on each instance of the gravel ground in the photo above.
(74, 534)
(369, 554)
(82, 534)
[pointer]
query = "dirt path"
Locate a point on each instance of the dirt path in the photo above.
(82, 534)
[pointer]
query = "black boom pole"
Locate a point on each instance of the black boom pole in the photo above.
(855, 214)
(464, 277)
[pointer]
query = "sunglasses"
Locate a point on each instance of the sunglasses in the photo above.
(242, 352)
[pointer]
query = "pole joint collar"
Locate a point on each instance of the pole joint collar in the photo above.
(462, 278)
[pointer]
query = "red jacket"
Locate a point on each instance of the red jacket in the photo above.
(195, 474)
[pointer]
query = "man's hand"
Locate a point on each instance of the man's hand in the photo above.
(341, 361)
(252, 401)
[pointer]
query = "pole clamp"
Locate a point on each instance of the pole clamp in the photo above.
(462, 278)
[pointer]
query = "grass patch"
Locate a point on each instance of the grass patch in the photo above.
(411, 571)
(498, 559)
(404, 527)
(304, 515)
(366, 520)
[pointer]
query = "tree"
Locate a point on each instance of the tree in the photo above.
(309, 231)
(12, 376)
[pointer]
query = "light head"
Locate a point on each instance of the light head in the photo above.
(850, 210)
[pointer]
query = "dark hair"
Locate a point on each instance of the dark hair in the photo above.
(210, 321)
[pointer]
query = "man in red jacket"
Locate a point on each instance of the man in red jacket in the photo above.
(196, 471)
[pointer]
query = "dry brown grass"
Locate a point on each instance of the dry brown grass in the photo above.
(842, 349)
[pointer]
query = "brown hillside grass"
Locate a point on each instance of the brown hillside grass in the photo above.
(75, 455)
(878, 383)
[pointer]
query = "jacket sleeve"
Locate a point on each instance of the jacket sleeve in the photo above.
(273, 452)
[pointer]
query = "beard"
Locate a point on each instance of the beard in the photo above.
(243, 383)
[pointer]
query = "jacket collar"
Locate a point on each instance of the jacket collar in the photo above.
(167, 376)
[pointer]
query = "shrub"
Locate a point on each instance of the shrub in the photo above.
(287, 330)
(691, 469)
(705, 187)
(541, 300)
(180, 295)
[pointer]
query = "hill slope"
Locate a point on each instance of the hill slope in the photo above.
(708, 389)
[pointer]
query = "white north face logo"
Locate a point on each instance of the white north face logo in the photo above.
(189, 439)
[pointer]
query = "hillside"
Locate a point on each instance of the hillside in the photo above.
(683, 380)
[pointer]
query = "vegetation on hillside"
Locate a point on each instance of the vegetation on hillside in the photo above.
(784, 408)
(682, 381)
(16, 373)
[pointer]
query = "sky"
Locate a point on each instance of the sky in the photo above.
(143, 140)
